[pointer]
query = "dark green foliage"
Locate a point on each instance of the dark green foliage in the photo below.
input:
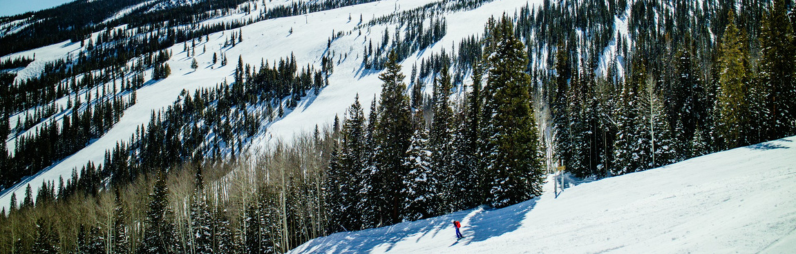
(392, 139)
(732, 102)
(159, 233)
(121, 237)
(514, 163)
(778, 72)
(441, 145)
(419, 192)
(46, 238)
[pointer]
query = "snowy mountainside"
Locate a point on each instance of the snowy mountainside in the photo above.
(733, 201)
(303, 36)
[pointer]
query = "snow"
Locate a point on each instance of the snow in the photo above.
(128, 10)
(739, 200)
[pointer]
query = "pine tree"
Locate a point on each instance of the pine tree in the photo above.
(653, 128)
(392, 139)
(201, 218)
(778, 71)
(732, 102)
(223, 240)
(352, 166)
(623, 162)
(468, 151)
(13, 206)
(441, 145)
(558, 104)
(194, 64)
(699, 145)
(46, 237)
(333, 196)
(159, 234)
(419, 195)
(121, 239)
(27, 202)
(513, 159)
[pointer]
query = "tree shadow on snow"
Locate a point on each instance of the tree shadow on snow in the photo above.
(365, 241)
(771, 145)
(494, 223)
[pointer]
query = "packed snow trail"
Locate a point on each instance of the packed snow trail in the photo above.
(741, 200)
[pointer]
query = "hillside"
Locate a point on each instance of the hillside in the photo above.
(733, 201)
(256, 126)
(267, 41)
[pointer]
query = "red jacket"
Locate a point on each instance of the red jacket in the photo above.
(456, 223)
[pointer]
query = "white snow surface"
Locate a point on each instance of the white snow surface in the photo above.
(738, 201)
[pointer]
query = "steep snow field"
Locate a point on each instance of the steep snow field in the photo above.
(739, 201)
(268, 40)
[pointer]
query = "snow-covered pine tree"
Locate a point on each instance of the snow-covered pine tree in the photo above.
(418, 192)
(440, 145)
(467, 150)
(558, 104)
(623, 162)
(159, 232)
(201, 219)
(333, 196)
(515, 170)
(251, 227)
(96, 242)
(577, 145)
(699, 145)
(392, 139)
(223, 239)
(46, 238)
(121, 238)
(352, 161)
(654, 130)
(778, 70)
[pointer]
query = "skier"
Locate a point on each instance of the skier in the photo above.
(457, 225)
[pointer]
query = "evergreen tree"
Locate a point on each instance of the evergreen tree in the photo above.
(778, 71)
(121, 239)
(46, 237)
(27, 202)
(13, 206)
(513, 159)
(468, 151)
(392, 139)
(419, 195)
(655, 146)
(699, 145)
(352, 166)
(623, 161)
(333, 196)
(441, 145)
(201, 218)
(223, 240)
(731, 103)
(558, 104)
(159, 232)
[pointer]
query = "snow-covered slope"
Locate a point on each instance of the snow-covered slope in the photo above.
(268, 40)
(739, 201)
